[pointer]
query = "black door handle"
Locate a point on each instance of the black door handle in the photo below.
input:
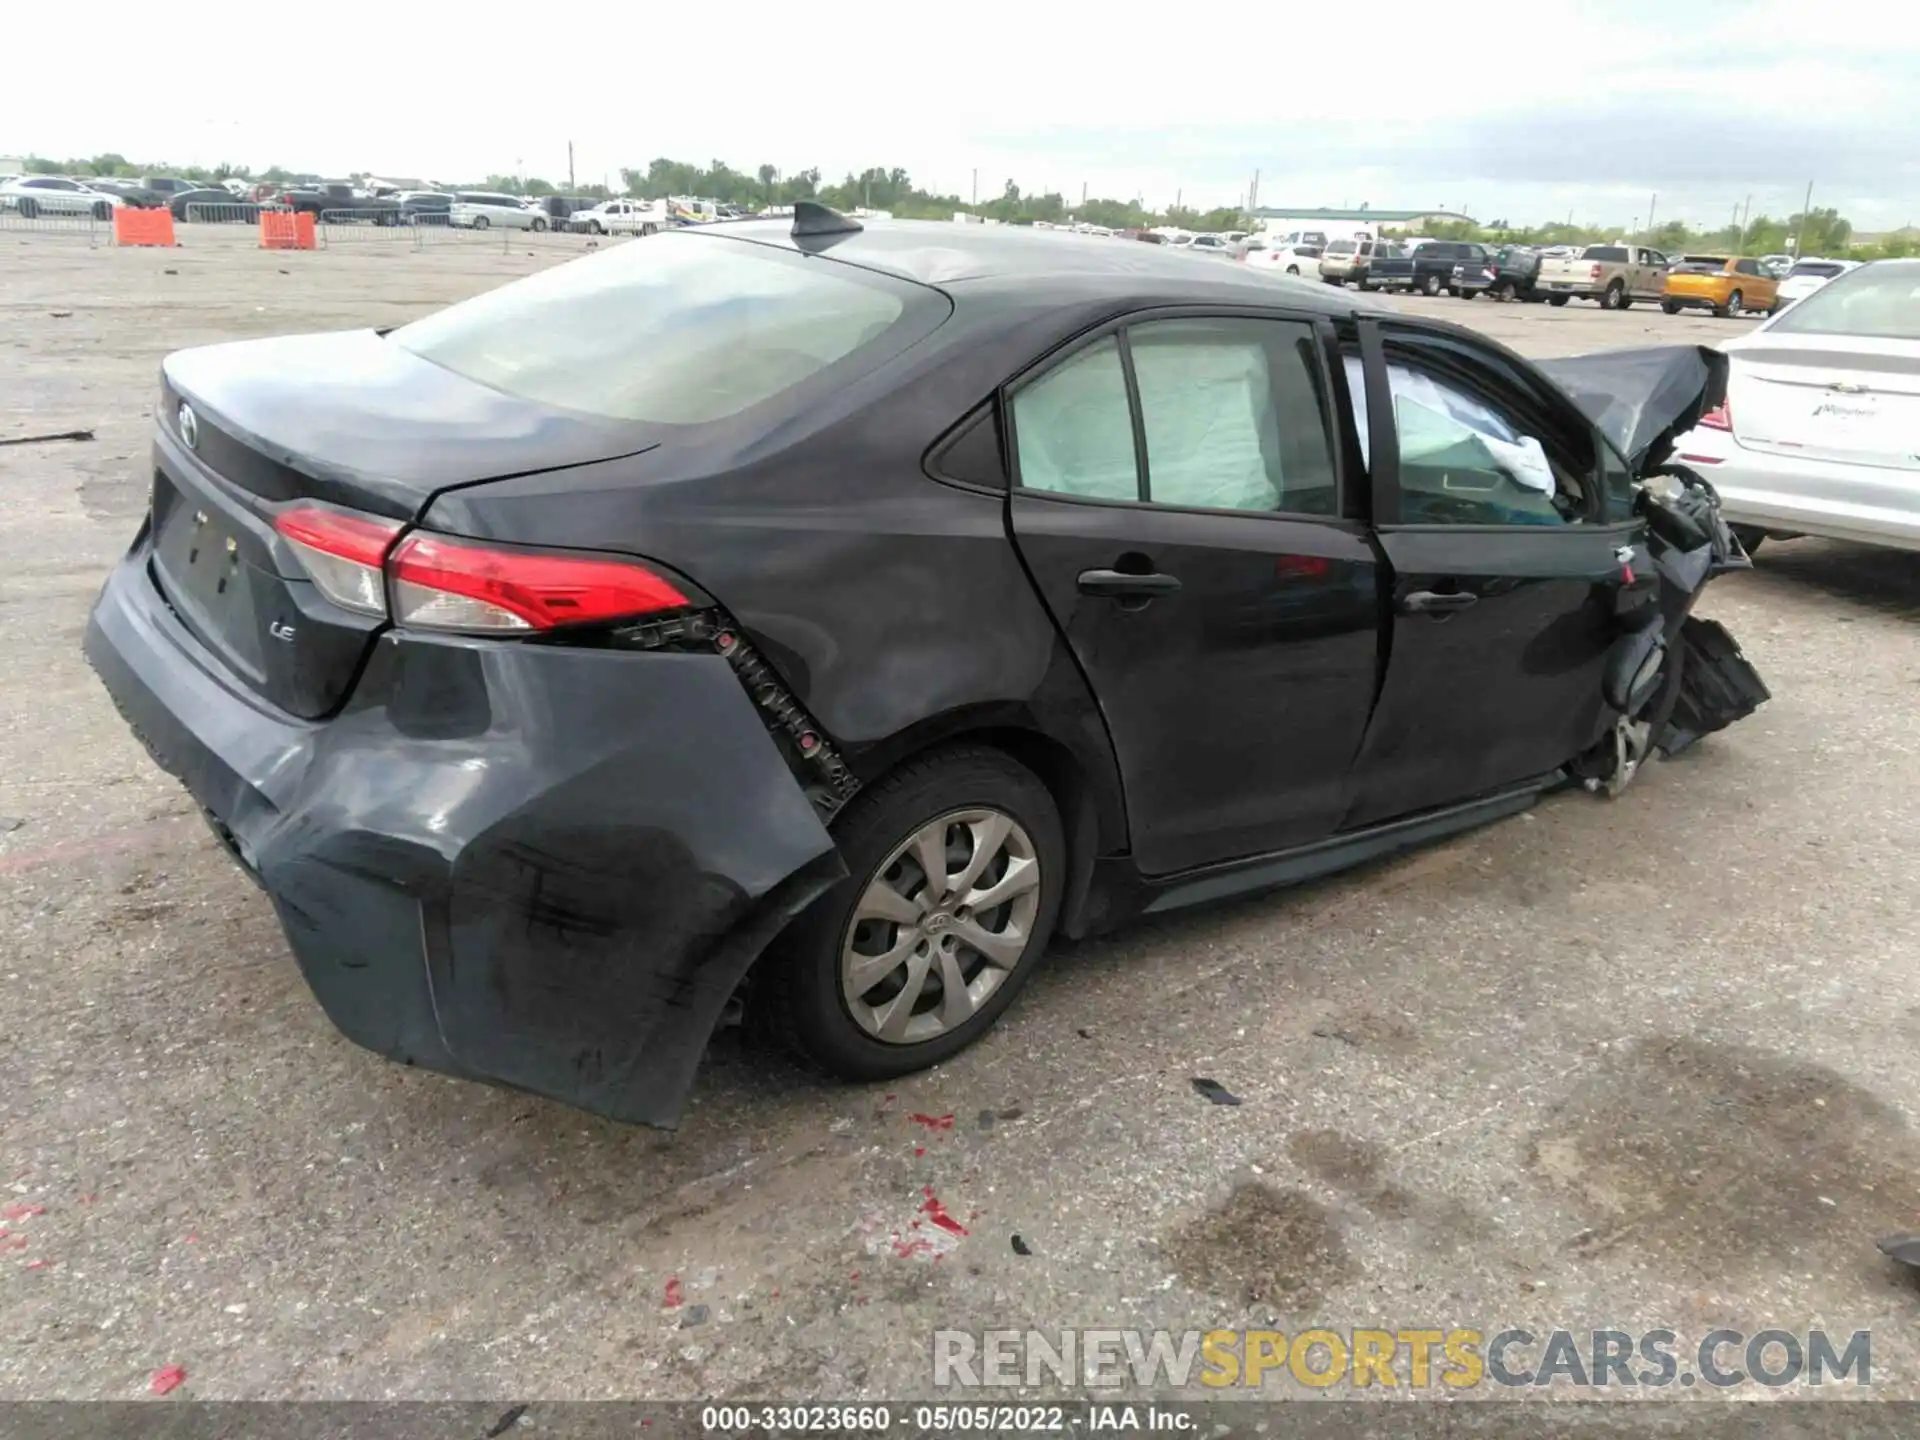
(1432, 602)
(1119, 585)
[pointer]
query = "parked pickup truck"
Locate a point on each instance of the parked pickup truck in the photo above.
(619, 217)
(1508, 273)
(317, 199)
(1614, 275)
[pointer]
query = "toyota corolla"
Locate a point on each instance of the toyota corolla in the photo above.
(823, 617)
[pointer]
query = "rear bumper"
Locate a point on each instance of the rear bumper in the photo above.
(1866, 504)
(538, 866)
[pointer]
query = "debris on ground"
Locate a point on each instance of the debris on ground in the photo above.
(48, 437)
(1020, 1247)
(696, 1315)
(676, 1294)
(167, 1379)
(1214, 1091)
(933, 1122)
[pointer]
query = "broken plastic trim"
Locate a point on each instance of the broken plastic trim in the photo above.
(823, 774)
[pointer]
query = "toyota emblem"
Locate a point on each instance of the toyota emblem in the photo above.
(189, 427)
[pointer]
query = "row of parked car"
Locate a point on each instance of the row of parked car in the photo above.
(1614, 276)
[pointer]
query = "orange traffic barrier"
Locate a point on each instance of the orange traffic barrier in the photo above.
(286, 230)
(142, 227)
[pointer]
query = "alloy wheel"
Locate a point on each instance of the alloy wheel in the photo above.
(943, 922)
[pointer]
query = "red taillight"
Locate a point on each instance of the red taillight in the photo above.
(1595, 275)
(446, 584)
(342, 552)
(1718, 418)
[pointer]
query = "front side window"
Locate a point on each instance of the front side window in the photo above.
(687, 331)
(1462, 460)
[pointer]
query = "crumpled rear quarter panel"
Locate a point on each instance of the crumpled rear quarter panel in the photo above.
(590, 846)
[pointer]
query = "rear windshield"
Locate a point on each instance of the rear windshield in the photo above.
(1605, 252)
(1824, 269)
(1703, 264)
(1341, 247)
(1876, 302)
(677, 329)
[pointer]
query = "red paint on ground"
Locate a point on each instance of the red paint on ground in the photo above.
(933, 1122)
(936, 1213)
(20, 1210)
(918, 1151)
(139, 837)
(907, 1249)
(167, 1379)
(38, 1264)
(676, 1294)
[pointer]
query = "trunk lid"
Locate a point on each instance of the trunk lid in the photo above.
(1850, 400)
(349, 420)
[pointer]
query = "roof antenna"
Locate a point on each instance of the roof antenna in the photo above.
(811, 218)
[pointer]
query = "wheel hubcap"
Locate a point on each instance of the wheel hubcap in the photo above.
(942, 923)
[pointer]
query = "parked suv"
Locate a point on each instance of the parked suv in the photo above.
(1507, 274)
(1435, 262)
(1348, 259)
(484, 209)
(1723, 284)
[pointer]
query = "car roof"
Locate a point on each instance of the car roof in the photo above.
(1019, 259)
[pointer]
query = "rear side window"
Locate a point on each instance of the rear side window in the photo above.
(685, 331)
(1230, 414)
(1605, 252)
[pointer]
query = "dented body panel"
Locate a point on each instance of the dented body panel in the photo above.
(507, 863)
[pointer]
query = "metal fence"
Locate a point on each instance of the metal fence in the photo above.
(362, 226)
(86, 225)
(239, 212)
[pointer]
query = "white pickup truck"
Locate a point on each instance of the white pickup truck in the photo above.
(620, 217)
(1615, 275)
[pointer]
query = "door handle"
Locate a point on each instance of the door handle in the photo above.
(1120, 585)
(1434, 602)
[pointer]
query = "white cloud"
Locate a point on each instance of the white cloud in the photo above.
(1583, 105)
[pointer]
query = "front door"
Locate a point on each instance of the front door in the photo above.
(1504, 576)
(1179, 507)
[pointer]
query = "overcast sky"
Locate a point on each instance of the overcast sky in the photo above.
(1526, 112)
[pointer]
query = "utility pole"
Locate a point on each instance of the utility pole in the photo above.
(1800, 230)
(976, 189)
(1177, 194)
(1083, 194)
(570, 186)
(1650, 208)
(1253, 195)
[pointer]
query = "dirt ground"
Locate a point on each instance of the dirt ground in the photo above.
(1639, 1064)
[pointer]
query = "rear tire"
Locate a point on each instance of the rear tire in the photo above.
(1558, 300)
(1293, 269)
(1430, 285)
(1611, 297)
(480, 222)
(538, 224)
(1731, 308)
(1504, 292)
(802, 995)
(1670, 306)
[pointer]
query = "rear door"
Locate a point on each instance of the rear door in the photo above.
(1489, 496)
(1179, 504)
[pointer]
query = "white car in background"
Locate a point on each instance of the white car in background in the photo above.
(1820, 433)
(1299, 258)
(1809, 275)
(483, 210)
(32, 195)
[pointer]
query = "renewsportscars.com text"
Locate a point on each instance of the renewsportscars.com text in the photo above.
(1403, 1357)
